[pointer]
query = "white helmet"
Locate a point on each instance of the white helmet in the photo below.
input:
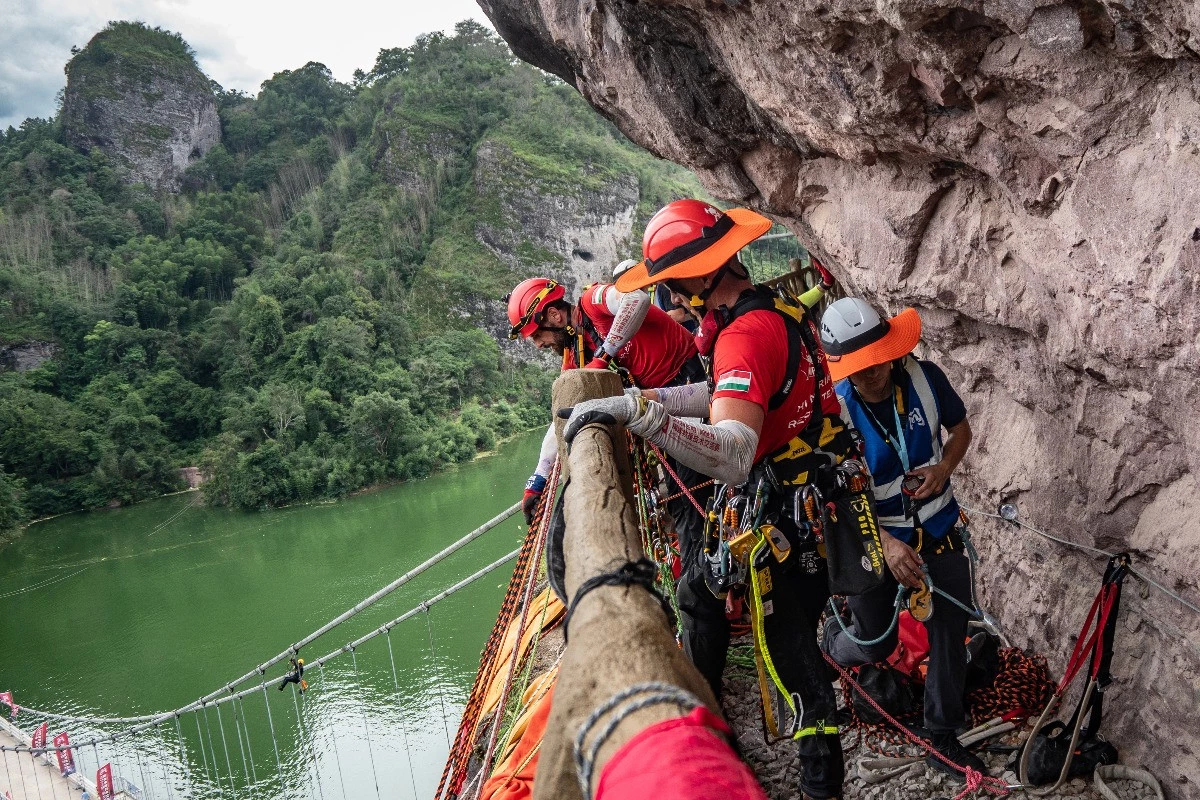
(850, 323)
(620, 269)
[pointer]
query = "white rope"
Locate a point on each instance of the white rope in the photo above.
(295, 648)
(337, 759)
(366, 728)
(274, 743)
(403, 728)
(225, 747)
(238, 730)
(41, 585)
(1087, 549)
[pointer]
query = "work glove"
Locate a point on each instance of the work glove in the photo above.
(533, 495)
(597, 363)
(630, 409)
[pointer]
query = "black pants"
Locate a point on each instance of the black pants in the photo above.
(872, 613)
(799, 589)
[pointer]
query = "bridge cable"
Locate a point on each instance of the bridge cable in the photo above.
(240, 703)
(312, 749)
(237, 728)
(183, 759)
(212, 751)
(333, 623)
(333, 738)
(225, 747)
(366, 728)
(137, 755)
(403, 728)
(274, 742)
(203, 757)
(437, 676)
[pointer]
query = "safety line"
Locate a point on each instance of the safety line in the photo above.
(1088, 549)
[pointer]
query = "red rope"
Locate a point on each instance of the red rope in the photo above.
(975, 779)
(679, 482)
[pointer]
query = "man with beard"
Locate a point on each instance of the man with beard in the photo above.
(606, 329)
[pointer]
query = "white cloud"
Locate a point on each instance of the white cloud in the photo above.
(239, 44)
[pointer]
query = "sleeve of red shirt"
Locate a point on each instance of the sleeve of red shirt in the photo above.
(748, 354)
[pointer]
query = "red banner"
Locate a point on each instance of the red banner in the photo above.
(39, 736)
(104, 783)
(6, 698)
(66, 761)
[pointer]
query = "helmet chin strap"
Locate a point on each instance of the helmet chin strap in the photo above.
(697, 301)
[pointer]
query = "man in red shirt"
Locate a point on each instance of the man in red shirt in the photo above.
(605, 329)
(775, 427)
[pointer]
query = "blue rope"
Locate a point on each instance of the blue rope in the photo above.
(897, 603)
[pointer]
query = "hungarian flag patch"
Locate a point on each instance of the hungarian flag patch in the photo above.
(735, 380)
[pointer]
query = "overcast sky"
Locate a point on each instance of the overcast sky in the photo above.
(239, 43)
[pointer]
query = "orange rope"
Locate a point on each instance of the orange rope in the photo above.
(454, 774)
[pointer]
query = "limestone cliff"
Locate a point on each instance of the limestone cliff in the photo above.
(136, 94)
(1025, 174)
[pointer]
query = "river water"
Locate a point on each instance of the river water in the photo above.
(144, 609)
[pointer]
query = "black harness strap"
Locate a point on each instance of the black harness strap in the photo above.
(641, 573)
(801, 342)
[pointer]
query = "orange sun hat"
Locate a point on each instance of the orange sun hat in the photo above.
(855, 337)
(691, 239)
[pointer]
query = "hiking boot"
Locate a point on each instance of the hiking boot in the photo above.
(948, 745)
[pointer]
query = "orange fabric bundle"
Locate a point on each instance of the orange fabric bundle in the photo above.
(513, 778)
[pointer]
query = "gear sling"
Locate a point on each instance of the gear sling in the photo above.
(762, 544)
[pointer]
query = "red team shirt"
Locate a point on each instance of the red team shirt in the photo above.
(749, 359)
(654, 355)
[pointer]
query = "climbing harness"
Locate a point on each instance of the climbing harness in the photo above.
(1044, 749)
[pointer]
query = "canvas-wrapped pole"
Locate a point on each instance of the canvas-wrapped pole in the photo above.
(619, 635)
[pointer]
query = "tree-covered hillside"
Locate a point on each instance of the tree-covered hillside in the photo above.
(304, 317)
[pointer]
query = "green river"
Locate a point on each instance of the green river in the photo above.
(144, 609)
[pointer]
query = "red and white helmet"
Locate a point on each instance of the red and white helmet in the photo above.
(527, 304)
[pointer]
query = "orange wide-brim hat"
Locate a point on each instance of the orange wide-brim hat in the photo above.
(745, 227)
(903, 333)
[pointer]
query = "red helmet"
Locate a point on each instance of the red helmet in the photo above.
(678, 223)
(527, 304)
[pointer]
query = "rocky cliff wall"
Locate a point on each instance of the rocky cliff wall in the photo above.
(137, 95)
(1025, 173)
(575, 235)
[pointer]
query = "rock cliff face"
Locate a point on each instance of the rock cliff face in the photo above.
(575, 236)
(1025, 174)
(136, 96)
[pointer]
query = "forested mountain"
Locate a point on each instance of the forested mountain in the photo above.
(303, 310)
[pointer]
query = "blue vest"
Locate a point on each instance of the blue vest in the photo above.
(921, 428)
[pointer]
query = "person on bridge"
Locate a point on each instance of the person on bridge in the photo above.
(606, 329)
(900, 405)
(775, 424)
(296, 675)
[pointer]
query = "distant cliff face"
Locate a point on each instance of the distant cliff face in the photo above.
(137, 95)
(1027, 174)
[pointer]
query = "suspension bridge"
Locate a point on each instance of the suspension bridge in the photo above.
(247, 738)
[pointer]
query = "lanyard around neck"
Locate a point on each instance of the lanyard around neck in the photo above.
(900, 446)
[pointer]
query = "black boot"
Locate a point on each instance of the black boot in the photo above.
(947, 744)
